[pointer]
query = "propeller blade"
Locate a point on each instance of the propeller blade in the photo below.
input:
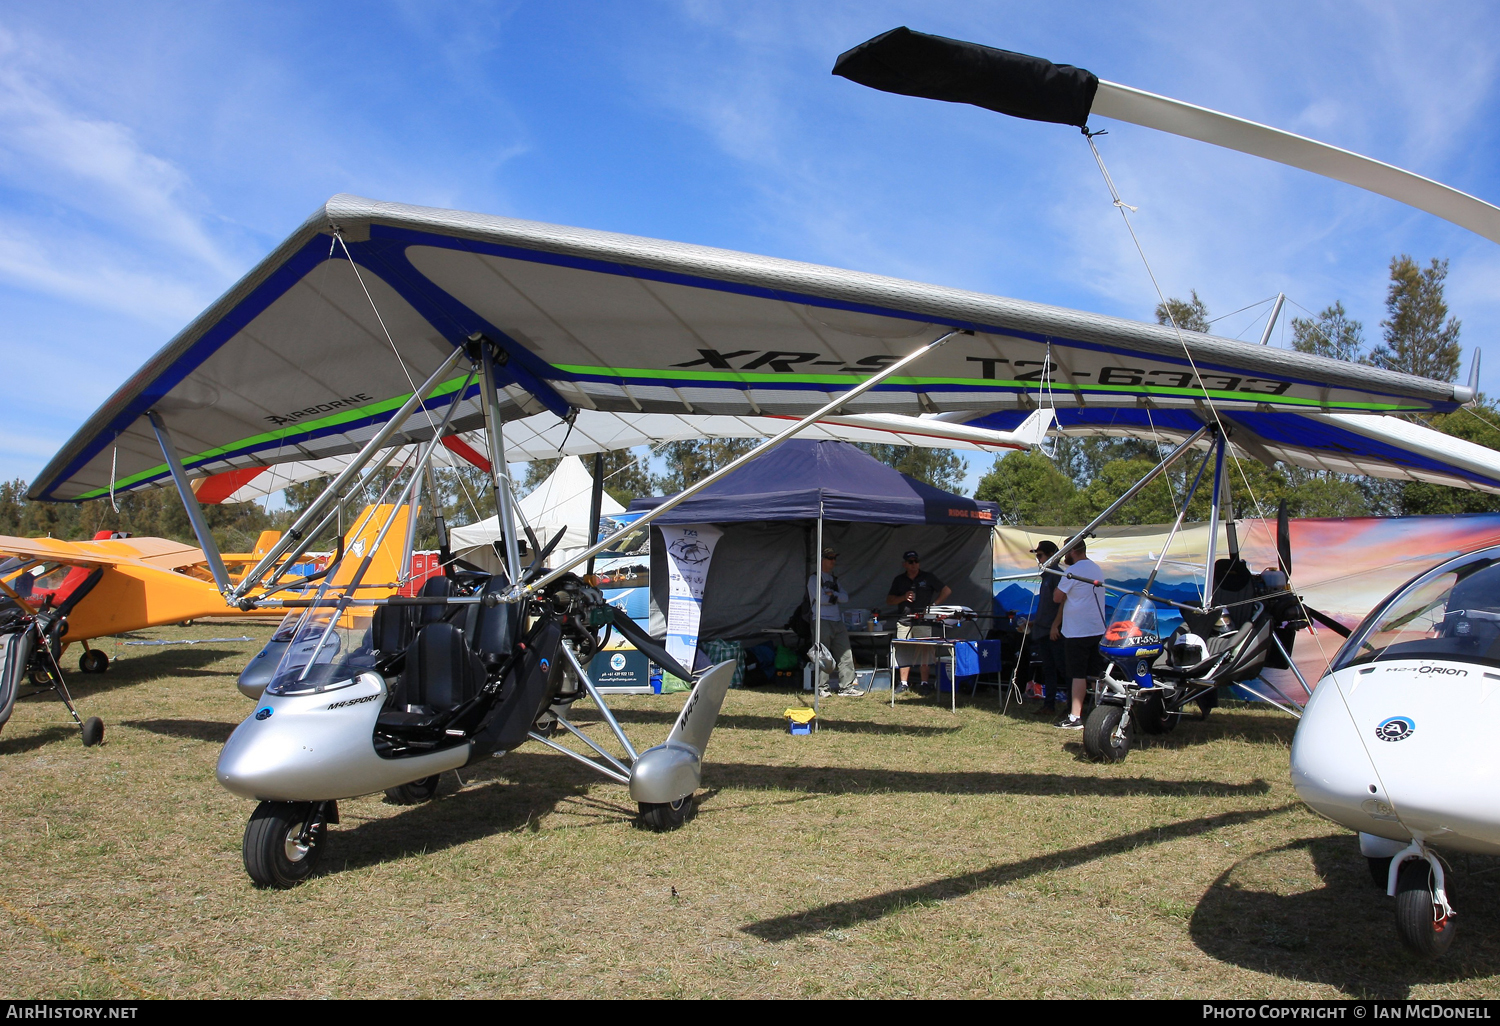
(1284, 539)
(647, 644)
(1328, 621)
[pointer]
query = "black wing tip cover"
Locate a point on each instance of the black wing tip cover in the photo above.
(939, 68)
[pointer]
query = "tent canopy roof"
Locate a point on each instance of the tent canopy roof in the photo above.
(563, 500)
(318, 345)
(802, 480)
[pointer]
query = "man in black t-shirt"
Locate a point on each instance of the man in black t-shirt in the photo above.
(913, 590)
(1054, 681)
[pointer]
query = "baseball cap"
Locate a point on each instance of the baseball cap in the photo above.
(910, 556)
(830, 553)
(1045, 547)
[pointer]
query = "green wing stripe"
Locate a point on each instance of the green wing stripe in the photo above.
(280, 434)
(979, 384)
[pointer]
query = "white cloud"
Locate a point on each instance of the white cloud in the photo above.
(100, 219)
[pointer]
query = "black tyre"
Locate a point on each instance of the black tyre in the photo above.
(41, 678)
(274, 855)
(93, 661)
(664, 816)
(1423, 934)
(1153, 716)
(1098, 734)
(93, 731)
(414, 793)
(1380, 870)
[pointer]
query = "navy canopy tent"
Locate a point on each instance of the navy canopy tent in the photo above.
(769, 512)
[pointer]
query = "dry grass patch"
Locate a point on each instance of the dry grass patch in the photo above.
(897, 852)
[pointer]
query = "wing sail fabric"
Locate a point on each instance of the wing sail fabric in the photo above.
(1378, 446)
(310, 353)
(938, 68)
(545, 436)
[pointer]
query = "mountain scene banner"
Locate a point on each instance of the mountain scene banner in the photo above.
(1340, 566)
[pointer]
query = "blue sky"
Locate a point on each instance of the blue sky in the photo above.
(151, 153)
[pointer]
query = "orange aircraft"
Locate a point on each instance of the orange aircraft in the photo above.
(79, 591)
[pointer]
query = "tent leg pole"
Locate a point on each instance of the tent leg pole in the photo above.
(190, 503)
(817, 611)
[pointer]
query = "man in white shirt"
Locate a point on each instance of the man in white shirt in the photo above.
(1080, 623)
(835, 636)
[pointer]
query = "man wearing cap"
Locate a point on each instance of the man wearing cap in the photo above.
(834, 635)
(1050, 652)
(913, 590)
(1080, 625)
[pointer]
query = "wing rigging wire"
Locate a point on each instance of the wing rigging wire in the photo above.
(503, 471)
(1122, 206)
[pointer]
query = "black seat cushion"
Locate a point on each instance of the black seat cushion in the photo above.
(436, 587)
(392, 628)
(494, 634)
(440, 674)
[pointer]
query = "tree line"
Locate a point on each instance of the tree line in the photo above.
(1082, 476)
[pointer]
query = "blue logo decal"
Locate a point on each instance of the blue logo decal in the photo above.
(1397, 728)
(263, 714)
(546, 664)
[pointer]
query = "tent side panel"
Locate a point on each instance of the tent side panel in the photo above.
(756, 580)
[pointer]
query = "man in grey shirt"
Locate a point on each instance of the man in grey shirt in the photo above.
(835, 636)
(1080, 625)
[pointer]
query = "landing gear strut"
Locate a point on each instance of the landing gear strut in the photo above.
(1424, 923)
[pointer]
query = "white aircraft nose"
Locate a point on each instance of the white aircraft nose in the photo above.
(1332, 770)
(1430, 730)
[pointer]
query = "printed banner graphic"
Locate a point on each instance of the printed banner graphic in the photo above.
(1341, 567)
(689, 552)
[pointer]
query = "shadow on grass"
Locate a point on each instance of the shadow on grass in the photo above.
(775, 724)
(198, 730)
(864, 780)
(1343, 933)
(31, 742)
(188, 661)
(845, 914)
(451, 820)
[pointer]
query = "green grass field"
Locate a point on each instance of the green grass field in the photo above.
(897, 852)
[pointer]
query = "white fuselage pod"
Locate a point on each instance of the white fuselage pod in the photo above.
(1405, 749)
(320, 746)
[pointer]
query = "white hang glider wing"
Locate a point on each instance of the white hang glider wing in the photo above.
(299, 360)
(546, 436)
(939, 68)
(1375, 446)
